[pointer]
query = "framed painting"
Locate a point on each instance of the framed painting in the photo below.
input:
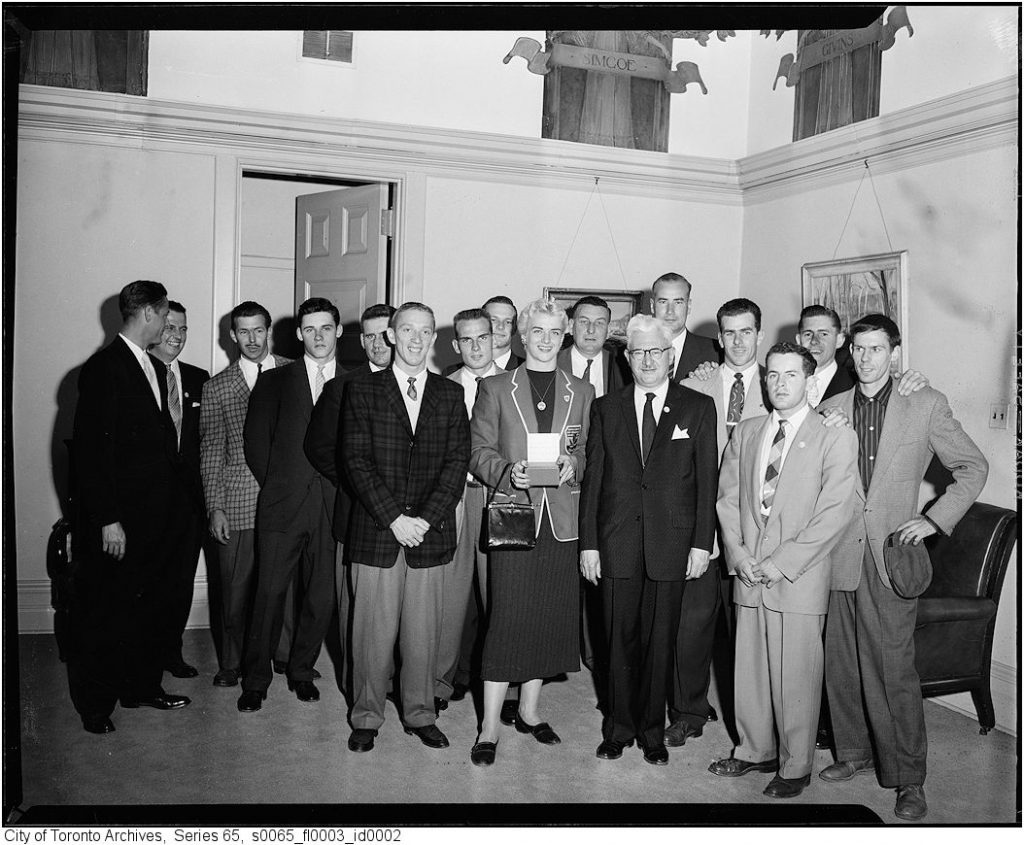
(623, 304)
(855, 287)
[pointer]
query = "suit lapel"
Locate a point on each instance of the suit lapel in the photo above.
(522, 399)
(396, 401)
(796, 459)
(300, 386)
(753, 403)
(563, 397)
(754, 480)
(431, 396)
(670, 412)
(236, 381)
(625, 399)
(133, 366)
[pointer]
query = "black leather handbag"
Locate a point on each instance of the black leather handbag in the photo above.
(511, 526)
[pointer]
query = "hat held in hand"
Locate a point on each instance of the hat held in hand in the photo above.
(909, 567)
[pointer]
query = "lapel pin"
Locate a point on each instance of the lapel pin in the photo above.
(800, 444)
(665, 409)
(566, 397)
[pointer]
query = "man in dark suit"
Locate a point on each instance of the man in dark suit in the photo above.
(821, 333)
(670, 302)
(647, 523)
(404, 451)
(293, 512)
(504, 316)
(126, 462)
(873, 687)
(184, 391)
(321, 444)
(230, 489)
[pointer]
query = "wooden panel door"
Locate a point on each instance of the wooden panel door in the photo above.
(341, 255)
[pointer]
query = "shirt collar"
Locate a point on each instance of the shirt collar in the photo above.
(659, 392)
(402, 377)
(469, 379)
(138, 351)
(881, 397)
(747, 371)
(824, 376)
(677, 343)
(795, 420)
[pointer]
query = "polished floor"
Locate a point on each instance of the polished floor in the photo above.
(291, 753)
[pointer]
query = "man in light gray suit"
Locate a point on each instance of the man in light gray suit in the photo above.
(873, 686)
(473, 343)
(785, 496)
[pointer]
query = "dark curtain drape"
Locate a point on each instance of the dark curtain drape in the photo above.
(838, 92)
(91, 59)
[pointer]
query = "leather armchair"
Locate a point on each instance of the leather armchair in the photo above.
(956, 615)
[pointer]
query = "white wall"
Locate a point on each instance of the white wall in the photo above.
(953, 48)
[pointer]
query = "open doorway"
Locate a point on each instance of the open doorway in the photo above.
(271, 246)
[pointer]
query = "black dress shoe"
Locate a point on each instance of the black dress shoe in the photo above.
(316, 675)
(98, 724)
(439, 705)
(163, 701)
(361, 740)
(679, 731)
(304, 690)
(781, 787)
(656, 755)
(181, 669)
(823, 739)
(482, 754)
(429, 735)
(280, 666)
(509, 709)
(459, 692)
(226, 678)
(542, 732)
(712, 714)
(611, 749)
(251, 700)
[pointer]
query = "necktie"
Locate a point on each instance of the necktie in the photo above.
(411, 392)
(586, 372)
(771, 474)
(735, 412)
(647, 433)
(174, 401)
(813, 392)
(259, 370)
(476, 387)
(318, 384)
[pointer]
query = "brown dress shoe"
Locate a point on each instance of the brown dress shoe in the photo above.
(910, 803)
(846, 770)
(733, 767)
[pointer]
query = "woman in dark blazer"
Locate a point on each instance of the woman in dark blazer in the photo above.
(533, 628)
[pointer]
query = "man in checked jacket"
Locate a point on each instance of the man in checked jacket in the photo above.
(403, 444)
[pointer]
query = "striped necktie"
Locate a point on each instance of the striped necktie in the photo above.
(771, 474)
(174, 401)
(318, 384)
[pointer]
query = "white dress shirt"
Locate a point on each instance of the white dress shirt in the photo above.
(821, 380)
(312, 365)
(579, 366)
(147, 367)
(412, 406)
(502, 360)
(469, 386)
(793, 425)
(657, 404)
(251, 371)
(729, 376)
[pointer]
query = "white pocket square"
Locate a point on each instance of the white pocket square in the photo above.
(195, 404)
(680, 433)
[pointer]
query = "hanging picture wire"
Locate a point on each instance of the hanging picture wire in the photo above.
(596, 191)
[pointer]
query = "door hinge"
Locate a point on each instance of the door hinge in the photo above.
(387, 222)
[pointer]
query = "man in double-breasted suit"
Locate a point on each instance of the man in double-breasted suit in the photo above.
(321, 447)
(786, 494)
(126, 469)
(229, 486)
(670, 302)
(403, 445)
(647, 524)
(737, 389)
(184, 391)
(873, 687)
(293, 511)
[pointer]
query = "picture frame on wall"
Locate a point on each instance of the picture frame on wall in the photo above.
(623, 304)
(855, 287)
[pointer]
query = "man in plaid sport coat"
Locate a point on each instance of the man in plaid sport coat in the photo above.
(229, 486)
(403, 445)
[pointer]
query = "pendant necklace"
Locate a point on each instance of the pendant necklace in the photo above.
(541, 404)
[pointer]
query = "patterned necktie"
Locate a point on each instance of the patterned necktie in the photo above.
(174, 401)
(647, 434)
(813, 392)
(586, 372)
(318, 385)
(411, 392)
(735, 412)
(771, 474)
